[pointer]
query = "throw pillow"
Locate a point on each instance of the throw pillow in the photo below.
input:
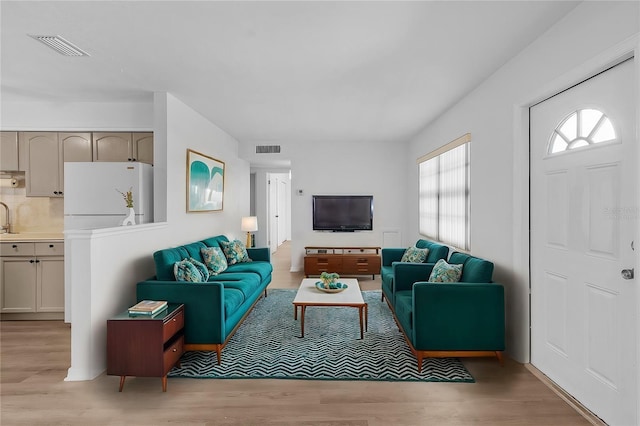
(215, 259)
(186, 271)
(235, 251)
(444, 272)
(202, 268)
(415, 255)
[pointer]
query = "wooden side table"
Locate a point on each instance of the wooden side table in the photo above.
(145, 346)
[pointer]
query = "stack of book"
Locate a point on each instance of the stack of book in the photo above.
(148, 308)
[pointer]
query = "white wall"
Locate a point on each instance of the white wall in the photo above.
(365, 168)
(335, 168)
(77, 116)
(499, 147)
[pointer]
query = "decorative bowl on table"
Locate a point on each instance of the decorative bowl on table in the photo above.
(333, 287)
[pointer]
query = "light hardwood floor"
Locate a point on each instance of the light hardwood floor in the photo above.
(35, 357)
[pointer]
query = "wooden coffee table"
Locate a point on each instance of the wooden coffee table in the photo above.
(309, 295)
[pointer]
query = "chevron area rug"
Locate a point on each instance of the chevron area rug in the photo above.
(268, 345)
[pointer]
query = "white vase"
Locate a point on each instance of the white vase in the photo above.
(131, 219)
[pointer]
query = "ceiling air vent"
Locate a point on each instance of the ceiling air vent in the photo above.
(267, 149)
(60, 45)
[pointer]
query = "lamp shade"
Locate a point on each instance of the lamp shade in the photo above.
(249, 224)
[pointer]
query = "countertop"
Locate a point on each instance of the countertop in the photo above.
(32, 236)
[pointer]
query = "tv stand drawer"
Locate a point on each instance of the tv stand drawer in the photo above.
(342, 260)
(317, 264)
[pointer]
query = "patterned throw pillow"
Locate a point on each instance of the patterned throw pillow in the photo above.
(215, 259)
(235, 251)
(415, 255)
(444, 272)
(201, 267)
(187, 271)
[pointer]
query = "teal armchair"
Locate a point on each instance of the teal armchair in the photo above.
(462, 319)
(391, 256)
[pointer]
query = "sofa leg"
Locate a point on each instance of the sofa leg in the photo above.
(265, 292)
(419, 356)
(500, 358)
(219, 353)
(382, 298)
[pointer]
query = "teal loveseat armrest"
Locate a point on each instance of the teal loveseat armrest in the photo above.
(259, 253)
(204, 309)
(390, 255)
(458, 316)
(405, 274)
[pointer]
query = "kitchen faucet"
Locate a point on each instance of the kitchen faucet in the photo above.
(6, 228)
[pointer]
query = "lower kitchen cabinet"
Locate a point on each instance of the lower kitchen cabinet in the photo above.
(32, 280)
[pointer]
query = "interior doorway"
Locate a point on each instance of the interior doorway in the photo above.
(279, 209)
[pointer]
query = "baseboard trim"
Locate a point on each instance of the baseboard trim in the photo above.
(574, 403)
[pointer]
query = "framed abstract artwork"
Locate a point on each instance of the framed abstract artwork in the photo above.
(205, 183)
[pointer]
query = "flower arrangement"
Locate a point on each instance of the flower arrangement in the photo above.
(328, 278)
(128, 197)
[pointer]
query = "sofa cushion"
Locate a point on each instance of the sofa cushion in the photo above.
(215, 241)
(436, 251)
(444, 272)
(262, 269)
(165, 261)
(193, 249)
(232, 276)
(403, 310)
(185, 270)
(233, 298)
(214, 258)
(247, 287)
(475, 270)
(235, 251)
(415, 255)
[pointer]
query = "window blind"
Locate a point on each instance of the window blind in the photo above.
(444, 194)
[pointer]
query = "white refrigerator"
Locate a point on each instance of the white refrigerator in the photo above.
(92, 197)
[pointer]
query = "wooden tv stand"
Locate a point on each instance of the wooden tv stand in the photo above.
(342, 260)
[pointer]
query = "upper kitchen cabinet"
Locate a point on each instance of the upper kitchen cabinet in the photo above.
(45, 154)
(120, 146)
(143, 147)
(9, 159)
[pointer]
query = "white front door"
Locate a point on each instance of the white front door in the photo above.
(584, 216)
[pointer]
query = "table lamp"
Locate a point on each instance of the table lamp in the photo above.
(249, 225)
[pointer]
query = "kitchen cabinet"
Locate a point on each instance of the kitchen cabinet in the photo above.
(123, 146)
(9, 159)
(32, 280)
(45, 154)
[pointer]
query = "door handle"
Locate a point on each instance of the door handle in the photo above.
(627, 274)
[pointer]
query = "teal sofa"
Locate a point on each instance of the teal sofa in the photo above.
(213, 309)
(391, 256)
(461, 319)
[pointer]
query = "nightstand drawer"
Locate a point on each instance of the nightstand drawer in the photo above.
(173, 353)
(172, 325)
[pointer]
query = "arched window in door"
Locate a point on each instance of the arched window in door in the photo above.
(581, 128)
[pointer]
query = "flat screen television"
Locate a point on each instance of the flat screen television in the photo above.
(342, 213)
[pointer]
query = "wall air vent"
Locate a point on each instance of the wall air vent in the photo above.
(267, 149)
(60, 45)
